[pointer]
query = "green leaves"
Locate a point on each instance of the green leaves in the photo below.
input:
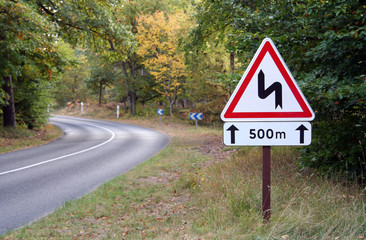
(31, 33)
(323, 44)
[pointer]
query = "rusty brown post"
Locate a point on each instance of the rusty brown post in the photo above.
(266, 184)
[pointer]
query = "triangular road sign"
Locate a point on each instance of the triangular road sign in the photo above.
(267, 91)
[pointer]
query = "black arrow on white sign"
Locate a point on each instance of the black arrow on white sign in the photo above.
(232, 129)
(264, 93)
(302, 129)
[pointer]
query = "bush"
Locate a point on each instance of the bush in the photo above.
(32, 102)
(337, 148)
(339, 131)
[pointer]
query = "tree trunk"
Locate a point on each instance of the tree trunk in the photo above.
(125, 104)
(100, 92)
(232, 61)
(133, 99)
(185, 102)
(171, 108)
(131, 96)
(73, 91)
(9, 109)
(171, 105)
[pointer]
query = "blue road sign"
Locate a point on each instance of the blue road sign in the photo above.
(196, 116)
(160, 111)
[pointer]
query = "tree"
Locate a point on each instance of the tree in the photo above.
(33, 28)
(324, 45)
(70, 86)
(214, 24)
(159, 38)
(325, 42)
(102, 75)
(212, 56)
(212, 80)
(131, 65)
(27, 39)
(32, 97)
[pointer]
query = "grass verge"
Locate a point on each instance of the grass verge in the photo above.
(196, 188)
(12, 139)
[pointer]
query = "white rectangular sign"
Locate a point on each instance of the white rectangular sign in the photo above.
(267, 133)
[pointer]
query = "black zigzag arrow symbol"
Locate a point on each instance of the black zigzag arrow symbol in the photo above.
(275, 87)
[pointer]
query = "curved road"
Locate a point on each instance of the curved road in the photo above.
(36, 181)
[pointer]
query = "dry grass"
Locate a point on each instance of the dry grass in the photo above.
(304, 206)
(20, 138)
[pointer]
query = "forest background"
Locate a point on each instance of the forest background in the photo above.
(187, 55)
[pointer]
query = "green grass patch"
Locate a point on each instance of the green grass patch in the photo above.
(196, 188)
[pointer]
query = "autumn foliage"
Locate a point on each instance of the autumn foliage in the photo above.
(158, 39)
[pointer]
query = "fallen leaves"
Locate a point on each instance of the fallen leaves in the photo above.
(125, 232)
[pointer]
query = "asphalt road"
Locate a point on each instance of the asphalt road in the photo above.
(36, 181)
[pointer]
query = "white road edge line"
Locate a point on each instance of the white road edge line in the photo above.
(65, 156)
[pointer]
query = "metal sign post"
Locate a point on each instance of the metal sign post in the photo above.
(267, 108)
(266, 183)
(196, 117)
(160, 113)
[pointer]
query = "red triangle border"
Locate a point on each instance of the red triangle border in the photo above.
(306, 112)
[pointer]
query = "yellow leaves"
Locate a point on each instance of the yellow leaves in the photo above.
(159, 32)
(158, 36)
